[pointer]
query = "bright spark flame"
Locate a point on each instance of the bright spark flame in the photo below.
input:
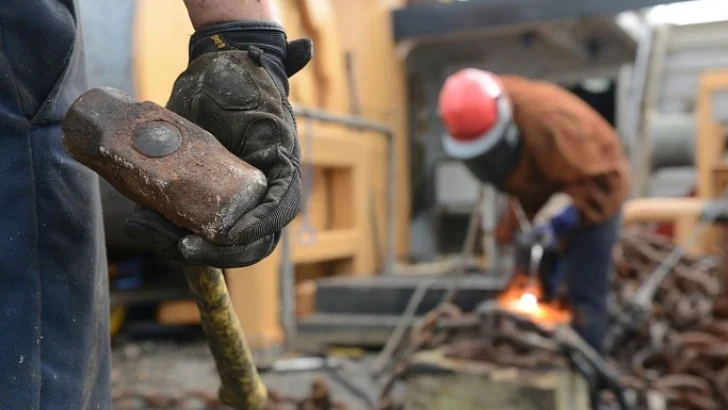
(528, 302)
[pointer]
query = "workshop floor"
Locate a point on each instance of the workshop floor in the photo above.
(174, 367)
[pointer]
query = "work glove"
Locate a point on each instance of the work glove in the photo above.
(236, 87)
(551, 233)
(542, 234)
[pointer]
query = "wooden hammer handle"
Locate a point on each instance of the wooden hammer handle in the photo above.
(242, 388)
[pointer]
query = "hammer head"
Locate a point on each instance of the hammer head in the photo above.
(163, 162)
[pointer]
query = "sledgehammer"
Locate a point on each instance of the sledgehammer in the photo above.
(165, 162)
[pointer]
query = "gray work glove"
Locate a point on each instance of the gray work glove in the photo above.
(236, 87)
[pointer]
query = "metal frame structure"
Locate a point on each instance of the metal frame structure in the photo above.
(433, 19)
(288, 270)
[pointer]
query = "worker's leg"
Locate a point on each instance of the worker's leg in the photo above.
(53, 287)
(588, 269)
(552, 273)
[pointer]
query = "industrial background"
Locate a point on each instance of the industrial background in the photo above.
(387, 213)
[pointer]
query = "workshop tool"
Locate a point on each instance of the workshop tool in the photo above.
(634, 313)
(167, 163)
(526, 290)
(536, 250)
(521, 217)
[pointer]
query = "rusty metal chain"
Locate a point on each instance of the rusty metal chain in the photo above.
(318, 399)
(142, 400)
(680, 355)
(681, 350)
(425, 335)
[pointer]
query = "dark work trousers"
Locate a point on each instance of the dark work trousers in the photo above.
(585, 268)
(54, 343)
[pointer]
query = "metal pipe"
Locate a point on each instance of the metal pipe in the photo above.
(523, 221)
(635, 98)
(366, 125)
(490, 220)
(288, 291)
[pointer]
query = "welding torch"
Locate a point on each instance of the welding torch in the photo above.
(537, 249)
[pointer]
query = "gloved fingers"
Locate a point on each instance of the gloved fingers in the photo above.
(525, 239)
(300, 53)
(541, 234)
(217, 93)
(153, 231)
(536, 234)
(198, 251)
(281, 204)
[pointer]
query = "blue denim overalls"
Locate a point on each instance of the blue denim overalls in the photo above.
(54, 337)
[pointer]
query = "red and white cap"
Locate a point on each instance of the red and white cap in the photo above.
(476, 113)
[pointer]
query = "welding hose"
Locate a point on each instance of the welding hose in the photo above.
(242, 388)
(590, 364)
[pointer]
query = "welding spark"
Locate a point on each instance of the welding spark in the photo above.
(528, 302)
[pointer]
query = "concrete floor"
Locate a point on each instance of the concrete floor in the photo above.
(174, 367)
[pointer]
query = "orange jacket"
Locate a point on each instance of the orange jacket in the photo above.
(567, 147)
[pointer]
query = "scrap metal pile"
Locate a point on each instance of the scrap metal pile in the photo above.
(678, 357)
(682, 349)
(507, 338)
(318, 399)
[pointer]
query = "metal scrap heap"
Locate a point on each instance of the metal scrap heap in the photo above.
(681, 351)
(318, 399)
(678, 357)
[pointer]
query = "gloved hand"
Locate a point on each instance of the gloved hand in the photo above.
(236, 87)
(549, 234)
(542, 234)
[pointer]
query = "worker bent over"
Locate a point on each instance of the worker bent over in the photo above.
(532, 139)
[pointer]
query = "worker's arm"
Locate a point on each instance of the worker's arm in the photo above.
(598, 197)
(206, 12)
(236, 87)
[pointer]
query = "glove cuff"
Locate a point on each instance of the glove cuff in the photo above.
(240, 35)
(267, 39)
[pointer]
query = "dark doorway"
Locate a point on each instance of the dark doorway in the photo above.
(602, 100)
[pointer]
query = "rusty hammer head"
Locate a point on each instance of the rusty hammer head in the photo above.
(163, 162)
